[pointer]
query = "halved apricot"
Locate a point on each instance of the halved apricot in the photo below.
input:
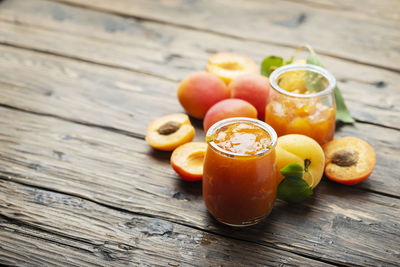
(187, 160)
(229, 65)
(168, 132)
(349, 160)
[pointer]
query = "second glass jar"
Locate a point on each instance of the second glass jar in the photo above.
(302, 102)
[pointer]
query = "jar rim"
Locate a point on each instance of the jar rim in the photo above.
(228, 121)
(308, 67)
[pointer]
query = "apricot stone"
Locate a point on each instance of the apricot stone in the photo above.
(254, 88)
(229, 65)
(199, 91)
(228, 108)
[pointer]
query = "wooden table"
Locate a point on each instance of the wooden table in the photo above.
(79, 82)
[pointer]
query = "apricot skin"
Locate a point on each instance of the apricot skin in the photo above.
(168, 142)
(199, 91)
(253, 88)
(295, 148)
(228, 108)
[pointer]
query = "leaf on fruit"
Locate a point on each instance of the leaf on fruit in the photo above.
(292, 170)
(269, 64)
(293, 188)
(342, 112)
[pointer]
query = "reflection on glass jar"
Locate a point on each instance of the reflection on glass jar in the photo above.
(302, 102)
(239, 177)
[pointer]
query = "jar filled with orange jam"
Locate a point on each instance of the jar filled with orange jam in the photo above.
(239, 177)
(302, 102)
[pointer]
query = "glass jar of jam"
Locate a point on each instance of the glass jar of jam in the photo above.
(239, 178)
(302, 102)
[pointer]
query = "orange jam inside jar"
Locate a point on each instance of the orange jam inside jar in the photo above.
(302, 102)
(239, 177)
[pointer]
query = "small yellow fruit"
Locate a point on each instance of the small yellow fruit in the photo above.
(296, 148)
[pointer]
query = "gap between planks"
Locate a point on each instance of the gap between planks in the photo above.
(34, 227)
(188, 27)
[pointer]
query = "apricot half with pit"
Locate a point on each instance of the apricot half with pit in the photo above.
(187, 160)
(349, 160)
(168, 132)
(229, 65)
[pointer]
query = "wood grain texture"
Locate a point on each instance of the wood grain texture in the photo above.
(162, 51)
(124, 172)
(25, 246)
(77, 189)
(61, 230)
(335, 31)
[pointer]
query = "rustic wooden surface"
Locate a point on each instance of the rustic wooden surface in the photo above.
(79, 82)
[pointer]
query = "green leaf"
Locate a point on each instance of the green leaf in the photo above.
(293, 188)
(313, 58)
(293, 169)
(269, 64)
(342, 112)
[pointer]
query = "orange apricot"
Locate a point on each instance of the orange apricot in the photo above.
(229, 65)
(349, 160)
(254, 88)
(199, 91)
(168, 132)
(187, 160)
(228, 108)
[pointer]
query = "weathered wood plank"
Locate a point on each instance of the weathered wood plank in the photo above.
(96, 235)
(21, 245)
(332, 31)
(359, 226)
(385, 10)
(170, 52)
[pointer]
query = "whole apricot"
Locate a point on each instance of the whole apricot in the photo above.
(199, 91)
(303, 150)
(254, 88)
(229, 65)
(228, 108)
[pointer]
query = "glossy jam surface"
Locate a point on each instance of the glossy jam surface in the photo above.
(240, 189)
(242, 138)
(309, 116)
